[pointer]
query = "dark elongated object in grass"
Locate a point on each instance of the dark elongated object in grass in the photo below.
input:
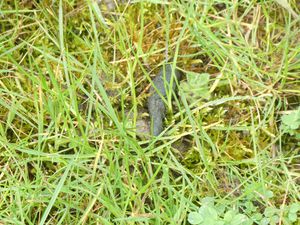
(156, 105)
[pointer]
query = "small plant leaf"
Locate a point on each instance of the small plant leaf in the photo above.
(209, 214)
(295, 207)
(265, 221)
(197, 80)
(269, 194)
(270, 211)
(196, 86)
(208, 201)
(233, 218)
(195, 218)
(291, 121)
(250, 207)
(292, 217)
(221, 209)
(257, 216)
(229, 216)
(238, 219)
(274, 219)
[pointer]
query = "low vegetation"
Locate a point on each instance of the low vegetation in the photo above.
(71, 73)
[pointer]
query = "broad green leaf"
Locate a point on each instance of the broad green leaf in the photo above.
(209, 214)
(238, 219)
(270, 211)
(265, 221)
(291, 122)
(229, 216)
(196, 86)
(208, 211)
(257, 216)
(250, 207)
(274, 219)
(292, 118)
(295, 207)
(220, 208)
(292, 217)
(197, 80)
(208, 201)
(195, 218)
(269, 194)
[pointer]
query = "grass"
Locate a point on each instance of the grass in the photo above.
(70, 72)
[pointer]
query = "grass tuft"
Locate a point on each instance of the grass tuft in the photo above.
(72, 72)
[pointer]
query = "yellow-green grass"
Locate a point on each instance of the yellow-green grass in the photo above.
(69, 72)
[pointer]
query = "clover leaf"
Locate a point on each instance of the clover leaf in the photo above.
(195, 218)
(206, 215)
(234, 218)
(291, 121)
(292, 215)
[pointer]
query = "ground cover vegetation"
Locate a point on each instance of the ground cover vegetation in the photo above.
(71, 73)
